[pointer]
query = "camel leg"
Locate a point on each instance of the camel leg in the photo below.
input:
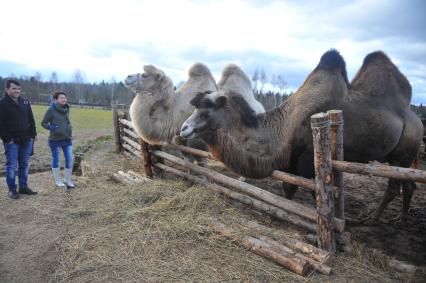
(391, 191)
(289, 190)
(408, 188)
(201, 161)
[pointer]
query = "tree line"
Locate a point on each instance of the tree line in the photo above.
(104, 93)
(419, 110)
(78, 91)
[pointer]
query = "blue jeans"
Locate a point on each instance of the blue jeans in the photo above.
(56, 153)
(17, 156)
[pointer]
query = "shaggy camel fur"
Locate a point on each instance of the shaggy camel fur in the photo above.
(157, 112)
(234, 79)
(379, 124)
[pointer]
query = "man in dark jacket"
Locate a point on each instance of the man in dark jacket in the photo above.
(17, 130)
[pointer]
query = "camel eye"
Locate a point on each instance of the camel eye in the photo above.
(204, 115)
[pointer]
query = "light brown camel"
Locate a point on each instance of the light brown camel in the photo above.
(157, 111)
(379, 124)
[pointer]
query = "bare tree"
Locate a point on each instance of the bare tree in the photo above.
(281, 82)
(113, 83)
(38, 78)
(263, 79)
(255, 79)
(53, 81)
(78, 79)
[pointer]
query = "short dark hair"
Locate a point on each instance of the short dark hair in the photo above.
(58, 93)
(11, 81)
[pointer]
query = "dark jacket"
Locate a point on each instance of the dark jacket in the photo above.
(56, 119)
(16, 120)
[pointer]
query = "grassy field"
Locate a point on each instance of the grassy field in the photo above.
(81, 118)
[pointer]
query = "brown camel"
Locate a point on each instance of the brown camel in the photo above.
(379, 124)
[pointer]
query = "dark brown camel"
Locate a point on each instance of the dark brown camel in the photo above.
(379, 124)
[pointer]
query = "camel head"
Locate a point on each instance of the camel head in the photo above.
(153, 80)
(217, 110)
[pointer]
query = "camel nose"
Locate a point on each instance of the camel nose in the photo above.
(184, 128)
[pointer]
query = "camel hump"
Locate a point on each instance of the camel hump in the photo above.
(379, 76)
(232, 70)
(199, 69)
(152, 70)
(377, 55)
(332, 60)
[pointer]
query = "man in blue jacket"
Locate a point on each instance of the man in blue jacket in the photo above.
(17, 130)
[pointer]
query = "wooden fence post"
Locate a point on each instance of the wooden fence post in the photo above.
(320, 124)
(147, 161)
(336, 118)
(117, 131)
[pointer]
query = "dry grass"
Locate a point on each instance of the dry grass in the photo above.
(158, 232)
(155, 233)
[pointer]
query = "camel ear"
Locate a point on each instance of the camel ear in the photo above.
(158, 76)
(248, 115)
(220, 102)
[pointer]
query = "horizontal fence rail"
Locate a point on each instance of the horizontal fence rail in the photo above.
(381, 170)
(328, 138)
(372, 169)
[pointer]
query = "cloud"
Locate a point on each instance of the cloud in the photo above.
(116, 38)
(12, 69)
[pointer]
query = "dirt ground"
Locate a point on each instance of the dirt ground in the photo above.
(55, 237)
(406, 242)
(28, 232)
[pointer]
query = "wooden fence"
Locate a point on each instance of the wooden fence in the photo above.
(328, 218)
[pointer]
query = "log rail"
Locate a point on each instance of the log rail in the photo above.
(328, 183)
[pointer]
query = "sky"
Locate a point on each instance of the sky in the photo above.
(108, 40)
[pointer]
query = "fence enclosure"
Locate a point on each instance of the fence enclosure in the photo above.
(325, 221)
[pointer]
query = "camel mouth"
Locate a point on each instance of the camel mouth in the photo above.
(187, 132)
(131, 80)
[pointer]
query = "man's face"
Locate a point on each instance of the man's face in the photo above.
(14, 91)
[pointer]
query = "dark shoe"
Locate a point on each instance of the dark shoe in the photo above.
(13, 194)
(27, 191)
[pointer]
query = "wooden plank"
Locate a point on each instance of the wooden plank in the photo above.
(146, 158)
(116, 124)
(320, 125)
(131, 142)
(126, 123)
(373, 168)
(295, 244)
(131, 133)
(197, 152)
(283, 176)
(252, 202)
(377, 169)
(282, 257)
(336, 127)
(249, 189)
(319, 266)
(132, 150)
(294, 180)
